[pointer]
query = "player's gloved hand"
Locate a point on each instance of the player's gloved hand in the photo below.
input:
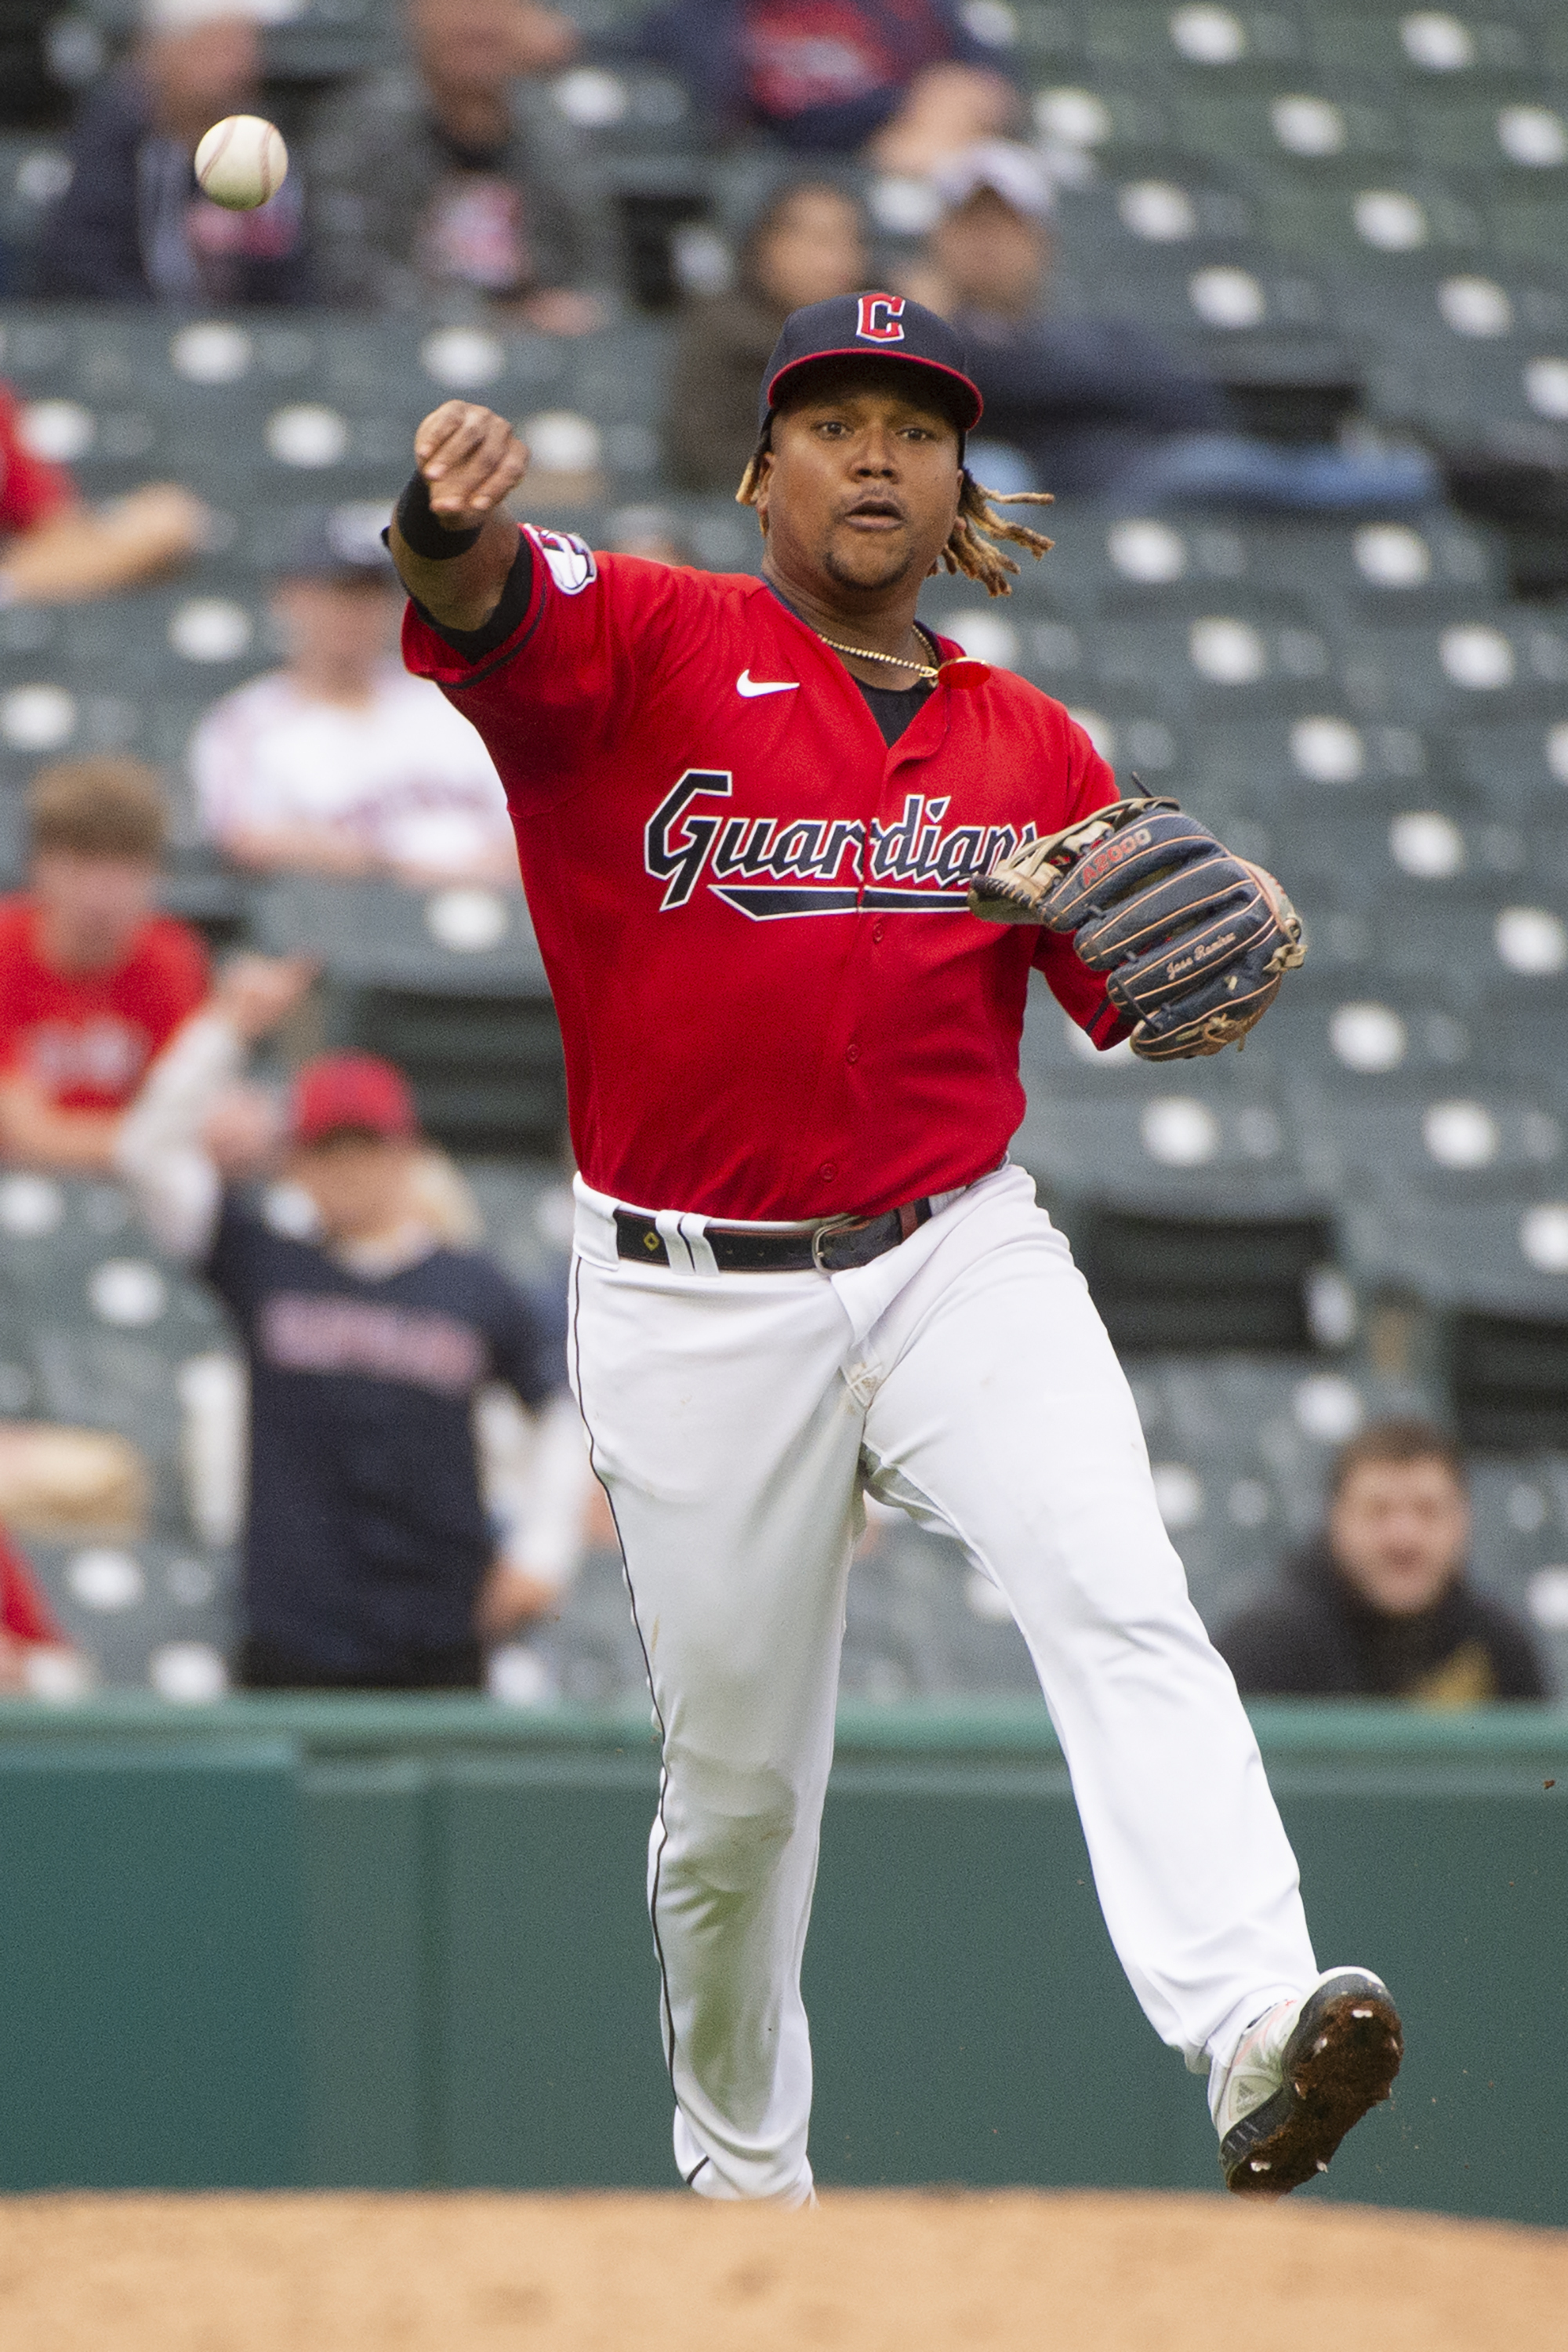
(1193, 940)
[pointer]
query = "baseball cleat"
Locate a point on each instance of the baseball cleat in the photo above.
(1302, 2074)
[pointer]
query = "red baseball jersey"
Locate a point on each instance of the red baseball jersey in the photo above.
(774, 1001)
(88, 1036)
(31, 489)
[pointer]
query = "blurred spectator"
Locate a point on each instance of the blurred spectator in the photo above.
(92, 980)
(31, 1644)
(340, 763)
(907, 76)
(55, 551)
(1101, 406)
(369, 1559)
(808, 244)
(1379, 1606)
(133, 226)
(428, 179)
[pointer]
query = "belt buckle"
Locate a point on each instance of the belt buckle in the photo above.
(826, 1233)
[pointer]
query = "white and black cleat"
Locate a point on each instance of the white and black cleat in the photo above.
(1302, 2076)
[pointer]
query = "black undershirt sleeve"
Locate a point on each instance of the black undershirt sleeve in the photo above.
(474, 644)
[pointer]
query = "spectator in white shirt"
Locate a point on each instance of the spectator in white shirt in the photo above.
(340, 763)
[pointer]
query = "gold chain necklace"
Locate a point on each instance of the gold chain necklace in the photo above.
(927, 670)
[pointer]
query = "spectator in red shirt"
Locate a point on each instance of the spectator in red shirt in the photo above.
(93, 982)
(27, 1626)
(54, 549)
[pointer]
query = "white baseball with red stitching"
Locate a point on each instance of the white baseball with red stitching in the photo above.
(241, 162)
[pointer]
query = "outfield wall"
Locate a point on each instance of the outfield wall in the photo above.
(284, 1942)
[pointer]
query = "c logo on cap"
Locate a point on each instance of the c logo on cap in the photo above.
(878, 322)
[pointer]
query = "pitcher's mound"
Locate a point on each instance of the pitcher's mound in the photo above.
(1013, 2272)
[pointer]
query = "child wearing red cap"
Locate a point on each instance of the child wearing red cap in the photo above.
(369, 1561)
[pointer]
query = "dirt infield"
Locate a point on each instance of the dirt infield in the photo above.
(872, 2272)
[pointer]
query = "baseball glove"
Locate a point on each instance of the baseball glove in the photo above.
(1193, 941)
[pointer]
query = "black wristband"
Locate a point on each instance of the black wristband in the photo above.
(422, 534)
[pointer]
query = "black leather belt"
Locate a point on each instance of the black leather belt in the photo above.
(832, 1248)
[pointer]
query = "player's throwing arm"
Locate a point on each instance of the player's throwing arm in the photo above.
(449, 539)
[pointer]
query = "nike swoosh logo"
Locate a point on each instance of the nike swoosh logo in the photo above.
(750, 687)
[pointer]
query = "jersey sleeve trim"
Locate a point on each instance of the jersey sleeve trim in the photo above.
(510, 609)
(429, 651)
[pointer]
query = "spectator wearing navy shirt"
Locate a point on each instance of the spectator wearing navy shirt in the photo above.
(370, 1563)
(1099, 408)
(910, 80)
(133, 226)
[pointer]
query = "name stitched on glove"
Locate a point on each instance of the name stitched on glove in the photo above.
(1201, 952)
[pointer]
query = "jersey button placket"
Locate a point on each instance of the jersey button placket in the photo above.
(852, 1053)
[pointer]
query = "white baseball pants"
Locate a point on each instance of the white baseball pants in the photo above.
(736, 1420)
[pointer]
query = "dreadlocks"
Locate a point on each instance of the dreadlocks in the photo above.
(970, 547)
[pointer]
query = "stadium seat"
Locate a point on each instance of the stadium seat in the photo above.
(1416, 48)
(449, 985)
(1503, 1255)
(460, 936)
(1521, 1545)
(924, 1623)
(1507, 1376)
(1173, 1141)
(1469, 1140)
(153, 1612)
(96, 1328)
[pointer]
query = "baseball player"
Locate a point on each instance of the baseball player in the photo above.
(791, 859)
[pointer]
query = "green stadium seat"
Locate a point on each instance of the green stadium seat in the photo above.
(1522, 766)
(1177, 1139)
(924, 1623)
(460, 937)
(1493, 660)
(94, 1325)
(592, 1654)
(1521, 1542)
(1471, 1142)
(1441, 46)
(151, 1611)
(1301, 127)
(447, 983)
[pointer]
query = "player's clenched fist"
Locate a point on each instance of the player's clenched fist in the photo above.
(470, 459)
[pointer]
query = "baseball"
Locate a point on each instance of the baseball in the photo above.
(241, 162)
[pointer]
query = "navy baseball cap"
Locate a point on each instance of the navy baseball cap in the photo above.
(340, 543)
(871, 327)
